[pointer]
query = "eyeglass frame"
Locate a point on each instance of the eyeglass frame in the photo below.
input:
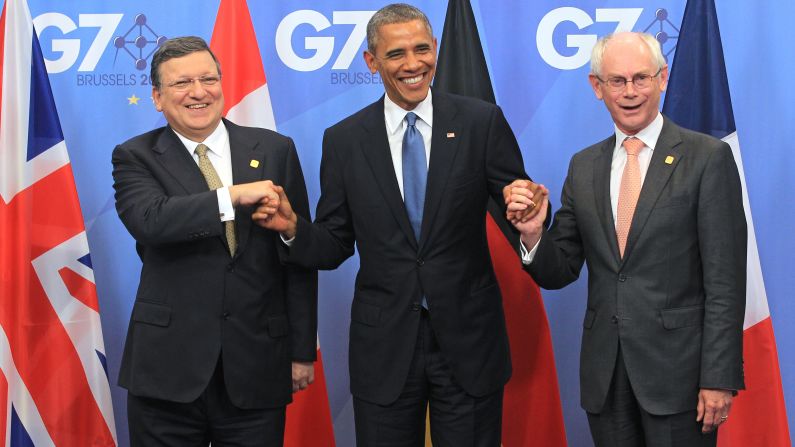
(204, 80)
(634, 80)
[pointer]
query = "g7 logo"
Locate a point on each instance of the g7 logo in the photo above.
(70, 48)
(323, 46)
(626, 19)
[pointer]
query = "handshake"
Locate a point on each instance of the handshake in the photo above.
(527, 204)
(272, 208)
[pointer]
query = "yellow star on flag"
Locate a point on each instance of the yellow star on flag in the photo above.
(133, 99)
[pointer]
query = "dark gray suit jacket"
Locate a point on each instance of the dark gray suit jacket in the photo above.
(473, 155)
(676, 301)
(195, 302)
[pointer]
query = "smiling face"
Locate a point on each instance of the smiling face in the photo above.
(195, 112)
(632, 109)
(405, 58)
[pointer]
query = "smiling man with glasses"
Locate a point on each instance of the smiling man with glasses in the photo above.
(656, 212)
(221, 332)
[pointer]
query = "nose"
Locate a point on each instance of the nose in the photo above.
(196, 89)
(412, 61)
(630, 89)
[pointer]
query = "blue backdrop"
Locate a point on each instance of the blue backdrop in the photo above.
(537, 54)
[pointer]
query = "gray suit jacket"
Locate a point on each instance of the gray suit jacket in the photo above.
(676, 301)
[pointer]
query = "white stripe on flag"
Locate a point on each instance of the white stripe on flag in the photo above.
(81, 323)
(254, 110)
(756, 308)
(20, 398)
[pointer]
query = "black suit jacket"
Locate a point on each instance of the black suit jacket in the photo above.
(473, 155)
(194, 301)
(676, 301)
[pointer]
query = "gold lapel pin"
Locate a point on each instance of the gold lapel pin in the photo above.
(669, 159)
(450, 134)
(254, 163)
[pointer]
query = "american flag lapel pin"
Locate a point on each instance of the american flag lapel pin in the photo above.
(450, 134)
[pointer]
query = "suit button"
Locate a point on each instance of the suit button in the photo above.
(614, 319)
(416, 307)
(226, 315)
(230, 268)
(622, 278)
(420, 262)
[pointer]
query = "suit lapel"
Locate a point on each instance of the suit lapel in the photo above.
(173, 155)
(656, 178)
(604, 207)
(243, 152)
(375, 146)
(443, 151)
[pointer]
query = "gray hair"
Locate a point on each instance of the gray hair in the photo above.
(174, 48)
(598, 52)
(394, 13)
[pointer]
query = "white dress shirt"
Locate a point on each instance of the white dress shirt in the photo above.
(395, 119)
(649, 136)
(220, 155)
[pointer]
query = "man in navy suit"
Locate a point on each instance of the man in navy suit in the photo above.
(406, 180)
(656, 212)
(221, 332)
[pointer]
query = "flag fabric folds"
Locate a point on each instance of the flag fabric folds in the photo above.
(532, 412)
(698, 98)
(248, 103)
(54, 387)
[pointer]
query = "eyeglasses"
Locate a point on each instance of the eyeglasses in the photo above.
(184, 84)
(641, 81)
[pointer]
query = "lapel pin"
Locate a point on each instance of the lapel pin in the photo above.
(255, 163)
(669, 159)
(450, 134)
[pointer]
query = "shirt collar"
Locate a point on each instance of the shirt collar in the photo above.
(394, 114)
(648, 135)
(216, 141)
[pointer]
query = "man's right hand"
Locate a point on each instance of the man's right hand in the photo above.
(528, 204)
(281, 219)
(255, 193)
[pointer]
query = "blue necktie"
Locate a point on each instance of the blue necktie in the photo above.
(415, 173)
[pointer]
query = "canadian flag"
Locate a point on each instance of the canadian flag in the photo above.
(248, 103)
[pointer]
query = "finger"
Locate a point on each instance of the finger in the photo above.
(700, 409)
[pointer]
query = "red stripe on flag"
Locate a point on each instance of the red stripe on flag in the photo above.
(80, 288)
(3, 407)
(532, 393)
(235, 44)
(309, 416)
(758, 415)
(38, 219)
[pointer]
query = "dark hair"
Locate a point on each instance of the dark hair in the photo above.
(174, 48)
(394, 13)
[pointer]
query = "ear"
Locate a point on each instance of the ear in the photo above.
(157, 99)
(370, 60)
(664, 79)
(596, 86)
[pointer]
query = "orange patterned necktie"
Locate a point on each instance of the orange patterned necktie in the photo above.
(629, 192)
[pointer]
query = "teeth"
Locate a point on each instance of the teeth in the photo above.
(197, 106)
(413, 80)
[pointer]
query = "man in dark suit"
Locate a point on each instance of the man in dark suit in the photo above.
(662, 338)
(427, 324)
(221, 332)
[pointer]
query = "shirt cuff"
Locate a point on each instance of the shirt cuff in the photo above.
(225, 208)
(527, 256)
(287, 242)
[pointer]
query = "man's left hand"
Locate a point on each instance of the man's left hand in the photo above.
(713, 408)
(303, 375)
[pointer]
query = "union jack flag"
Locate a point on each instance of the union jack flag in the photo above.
(54, 388)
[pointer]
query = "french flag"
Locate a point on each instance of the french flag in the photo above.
(698, 98)
(248, 103)
(54, 386)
